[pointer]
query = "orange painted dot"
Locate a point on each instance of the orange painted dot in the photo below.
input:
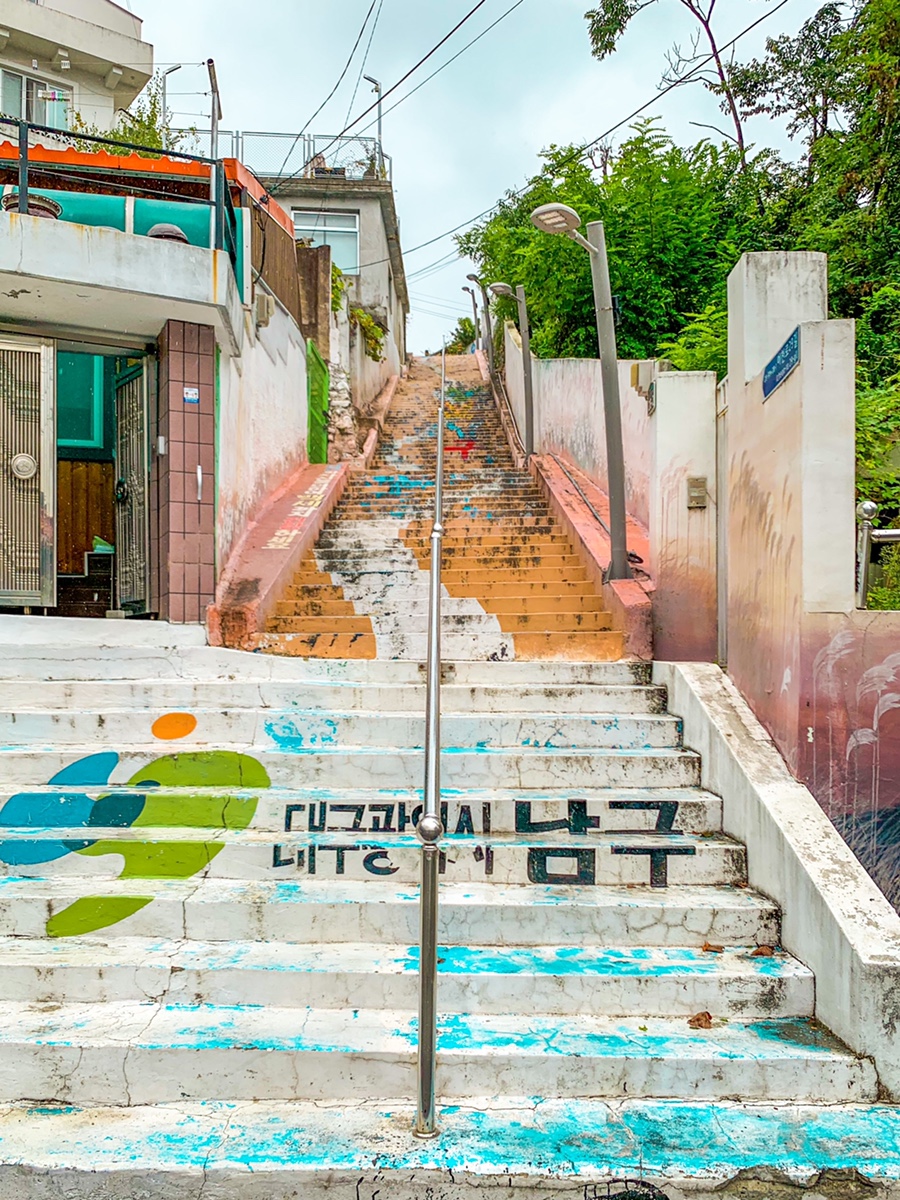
(173, 726)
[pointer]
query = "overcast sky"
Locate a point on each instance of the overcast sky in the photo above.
(471, 133)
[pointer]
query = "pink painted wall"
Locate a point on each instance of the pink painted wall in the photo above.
(661, 451)
(823, 677)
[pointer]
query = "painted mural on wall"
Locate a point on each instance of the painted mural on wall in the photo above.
(146, 800)
(851, 742)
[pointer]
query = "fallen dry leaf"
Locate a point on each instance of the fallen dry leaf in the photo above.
(709, 948)
(763, 952)
(700, 1020)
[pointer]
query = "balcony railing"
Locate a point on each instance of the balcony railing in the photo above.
(307, 156)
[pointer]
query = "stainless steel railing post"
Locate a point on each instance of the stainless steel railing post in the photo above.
(429, 828)
(866, 511)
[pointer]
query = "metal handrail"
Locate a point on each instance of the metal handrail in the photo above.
(219, 201)
(866, 538)
(430, 829)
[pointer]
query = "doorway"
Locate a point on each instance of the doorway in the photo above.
(77, 487)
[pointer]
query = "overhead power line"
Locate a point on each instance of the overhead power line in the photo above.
(281, 183)
(364, 62)
(582, 151)
(458, 54)
(341, 78)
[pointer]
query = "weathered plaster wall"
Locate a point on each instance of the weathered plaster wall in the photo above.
(263, 419)
(823, 677)
(568, 402)
(683, 552)
(662, 450)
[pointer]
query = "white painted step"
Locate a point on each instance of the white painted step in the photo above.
(167, 695)
(528, 767)
(606, 981)
(58, 660)
(310, 910)
(134, 1054)
(478, 811)
(528, 1146)
(558, 859)
(306, 729)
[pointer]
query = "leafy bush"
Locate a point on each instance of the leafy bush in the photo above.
(878, 448)
(886, 595)
(702, 344)
(372, 333)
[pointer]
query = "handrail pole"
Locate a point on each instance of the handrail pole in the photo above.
(866, 511)
(429, 828)
(23, 166)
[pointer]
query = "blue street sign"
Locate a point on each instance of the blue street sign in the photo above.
(787, 358)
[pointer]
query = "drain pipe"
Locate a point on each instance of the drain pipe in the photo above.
(429, 829)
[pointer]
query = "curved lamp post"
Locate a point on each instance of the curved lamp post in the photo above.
(503, 289)
(559, 218)
(471, 292)
(488, 332)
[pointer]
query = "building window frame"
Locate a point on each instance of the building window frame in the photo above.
(334, 227)
(35, 92)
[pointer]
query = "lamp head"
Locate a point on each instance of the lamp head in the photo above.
(556, 218)
(474, 279)
(501, 289)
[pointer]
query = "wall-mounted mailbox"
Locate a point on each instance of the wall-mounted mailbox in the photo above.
(698, 492)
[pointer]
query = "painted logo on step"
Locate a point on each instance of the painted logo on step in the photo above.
(148, 800)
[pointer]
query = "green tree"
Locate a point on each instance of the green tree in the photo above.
(609, 20)
(462, 337)
(676, 222)
(143, 124)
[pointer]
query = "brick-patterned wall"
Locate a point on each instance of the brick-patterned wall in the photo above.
(183, 529)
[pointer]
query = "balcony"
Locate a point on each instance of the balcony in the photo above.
(308, 156)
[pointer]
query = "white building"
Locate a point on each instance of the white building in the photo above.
(61, 57)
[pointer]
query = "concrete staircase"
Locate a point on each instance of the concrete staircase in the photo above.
(513, 587)
(209, 940)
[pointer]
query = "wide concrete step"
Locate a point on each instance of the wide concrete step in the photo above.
(414, 620)
(152, 852)
(474, 811)
(338, 910)
(556, 646)
(527, 766)
(284, 1150)
(182, 695)
(307, 729)
(133, 1054)
(605, 981)
(72, 663)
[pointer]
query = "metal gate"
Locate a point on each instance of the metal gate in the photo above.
(132, 462)
(317, 384)
(27, 472)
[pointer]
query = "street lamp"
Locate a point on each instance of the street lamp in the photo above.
(503, 289)
(488, 332)
(376, 88)
(471, 292)
(559, 218)
(165, 107)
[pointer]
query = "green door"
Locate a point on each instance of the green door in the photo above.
(317, 378)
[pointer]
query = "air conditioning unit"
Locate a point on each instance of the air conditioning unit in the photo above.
(264, 305)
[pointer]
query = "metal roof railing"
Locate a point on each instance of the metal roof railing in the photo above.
(300, 156)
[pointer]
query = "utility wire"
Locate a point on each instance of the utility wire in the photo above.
(580, 153)
(282, 182)
(459, 53)
(341, 77)
(364, 61)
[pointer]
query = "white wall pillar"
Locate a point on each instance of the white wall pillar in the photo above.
(769, 295)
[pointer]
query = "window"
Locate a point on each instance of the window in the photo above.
(339, 230)
(39, 102)
(79, 400)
